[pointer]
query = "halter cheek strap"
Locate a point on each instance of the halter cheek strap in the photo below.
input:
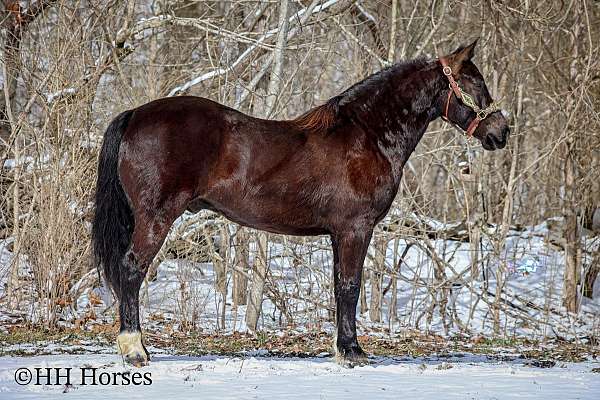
(472, 125)
(480, 114)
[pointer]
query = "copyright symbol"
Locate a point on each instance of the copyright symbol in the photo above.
(23, 376)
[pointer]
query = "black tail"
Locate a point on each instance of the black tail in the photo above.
(113, 220)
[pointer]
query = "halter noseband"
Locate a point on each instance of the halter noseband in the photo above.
(467, 100)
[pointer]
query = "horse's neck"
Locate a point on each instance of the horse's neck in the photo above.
(399, 122)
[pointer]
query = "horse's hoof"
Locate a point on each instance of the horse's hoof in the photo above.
(351, 357)
(132, 349)
(136, 360)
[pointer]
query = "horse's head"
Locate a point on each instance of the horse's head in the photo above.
(468, 103)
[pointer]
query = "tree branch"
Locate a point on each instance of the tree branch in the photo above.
(222, 70)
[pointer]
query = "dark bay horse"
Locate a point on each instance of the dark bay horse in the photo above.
(333, 171)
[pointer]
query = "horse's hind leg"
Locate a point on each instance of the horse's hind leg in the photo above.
(148, 235)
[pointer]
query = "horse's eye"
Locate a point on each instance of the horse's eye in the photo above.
(473, 81)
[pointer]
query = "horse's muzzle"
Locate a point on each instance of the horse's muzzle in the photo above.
(495, 141)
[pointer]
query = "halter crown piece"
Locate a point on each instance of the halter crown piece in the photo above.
(467, 100)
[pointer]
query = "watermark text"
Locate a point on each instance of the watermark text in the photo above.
(84, 376)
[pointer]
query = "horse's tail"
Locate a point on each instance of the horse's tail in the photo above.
(113, 220)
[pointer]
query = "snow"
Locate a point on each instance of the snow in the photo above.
(51, 97)
(5, 259)
(214, 377)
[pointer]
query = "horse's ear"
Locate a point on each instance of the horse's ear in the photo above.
(460, 55)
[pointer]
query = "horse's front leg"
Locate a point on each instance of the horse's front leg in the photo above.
(349, 251)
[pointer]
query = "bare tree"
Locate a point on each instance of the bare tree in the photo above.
(275, 85)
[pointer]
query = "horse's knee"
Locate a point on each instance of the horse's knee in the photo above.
(131, 347)
(347, 289)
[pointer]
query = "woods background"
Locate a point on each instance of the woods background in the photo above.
(69, 67)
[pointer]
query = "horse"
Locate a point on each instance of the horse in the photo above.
(334, 170)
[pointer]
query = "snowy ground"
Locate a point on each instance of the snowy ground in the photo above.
(214, 377)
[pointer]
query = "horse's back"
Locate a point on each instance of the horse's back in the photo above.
(192, 145)
(181, 116)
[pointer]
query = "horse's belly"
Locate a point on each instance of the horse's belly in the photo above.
(276, 215)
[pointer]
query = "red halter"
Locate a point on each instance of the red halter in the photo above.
(454, 86)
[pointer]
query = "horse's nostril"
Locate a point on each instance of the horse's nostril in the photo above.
(489, 142)
(505, 132)
(496, 141)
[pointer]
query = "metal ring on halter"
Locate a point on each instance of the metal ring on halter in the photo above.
(481, 115)
(447, 70)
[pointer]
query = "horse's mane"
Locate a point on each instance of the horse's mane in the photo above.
(319, 118)
(323, 117)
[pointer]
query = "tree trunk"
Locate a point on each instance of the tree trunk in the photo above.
(393, 30)
(11, 46)
(570, 232)
(364, 307)
(220, 266)
(259, 275)
(276, 79)
(569, 203)
(273, 90)
(393, 312)
(377, 280)
(591, 275)
(10, 72)
(240, 280)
